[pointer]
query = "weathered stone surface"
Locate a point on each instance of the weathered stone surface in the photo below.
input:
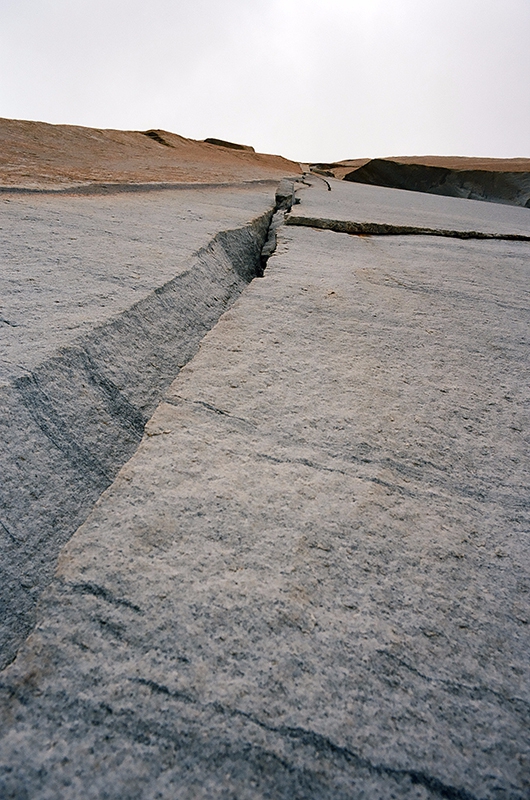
(476, 184)
(71, 263)
(364, 204)
(311, 580)
(39, 155)
(457, 163)
(103, 300)
(230, 145)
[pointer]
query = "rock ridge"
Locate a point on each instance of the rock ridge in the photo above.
(492, 186)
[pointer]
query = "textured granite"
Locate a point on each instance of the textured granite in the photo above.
(394, 208)
(104, 298)
(311, 580)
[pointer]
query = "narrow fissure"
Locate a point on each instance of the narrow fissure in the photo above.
(284, 201)
(380, 229)
(73, 422)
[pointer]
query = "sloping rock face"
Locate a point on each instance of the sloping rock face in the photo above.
(459, 163)
(495, 187)
(311, 580)
(104, 299)
(360, 208)
(42, 156)
(230, 145)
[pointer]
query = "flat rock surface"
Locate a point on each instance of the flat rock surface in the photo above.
(311, 580)
(375, 204)
(70, 263)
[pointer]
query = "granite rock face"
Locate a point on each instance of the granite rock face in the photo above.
(104, 299)
(474, 184)
(311, 580)
(360, 208)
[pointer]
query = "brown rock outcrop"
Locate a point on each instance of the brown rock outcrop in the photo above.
(493, 185)
(38, 155)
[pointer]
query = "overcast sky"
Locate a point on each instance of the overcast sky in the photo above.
(314, 80)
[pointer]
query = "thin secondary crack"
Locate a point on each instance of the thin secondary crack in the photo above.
(315, 175)
(11, 535)
(417, 471)
(458, 688)
(208, 407)
(319, 742)
(212, 408)
(380, 229)
(304, 462)
(118, 406)
(307, 463)
(104, 594)
(56, 430)
(444, 293)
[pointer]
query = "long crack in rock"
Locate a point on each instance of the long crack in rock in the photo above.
(372, 210)
(71, 417)
(311, 579)
(378, 229)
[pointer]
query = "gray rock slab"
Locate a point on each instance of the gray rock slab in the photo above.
(311, 580)
(364, 204)
(104, 299)
(70, 263)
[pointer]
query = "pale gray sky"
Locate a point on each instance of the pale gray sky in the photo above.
(310, 79)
